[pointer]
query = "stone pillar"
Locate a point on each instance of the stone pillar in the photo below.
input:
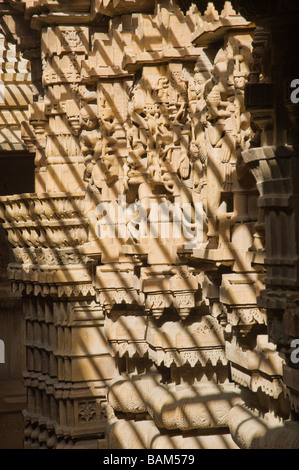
(275, 166)
(17, 175)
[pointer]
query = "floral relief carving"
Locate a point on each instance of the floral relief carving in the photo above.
(87, 411)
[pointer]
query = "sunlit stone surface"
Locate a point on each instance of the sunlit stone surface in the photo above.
(149, 274)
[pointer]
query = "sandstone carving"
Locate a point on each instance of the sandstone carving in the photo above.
(153, 267)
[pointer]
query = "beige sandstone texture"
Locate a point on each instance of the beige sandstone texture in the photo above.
(149, 283)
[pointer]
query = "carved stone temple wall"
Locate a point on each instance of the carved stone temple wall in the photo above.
(150, 276)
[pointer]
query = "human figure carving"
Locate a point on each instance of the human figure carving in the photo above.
(90, 140)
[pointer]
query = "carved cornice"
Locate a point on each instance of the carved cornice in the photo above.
(201, 4)
(41, 221)
(17, 29)
(49, 12)
(259, 11)
(86, 12)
